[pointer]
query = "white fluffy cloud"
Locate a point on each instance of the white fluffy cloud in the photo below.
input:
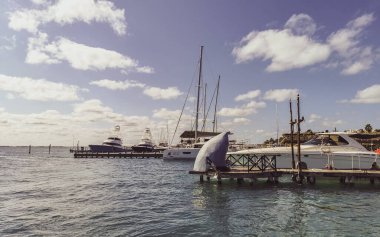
(313, 118)
(346, 43)
(117, 85)
(79, 56)
(280, 95)
(67, 12)
(370, 95)
(7, 43)
(242, 111)
(38, 89)
(241, 121)
(166, 114)
(248, 96)
(284, 49)
(293, 47)
(301, 24)
(162, 94)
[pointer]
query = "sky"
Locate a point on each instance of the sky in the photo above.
(72, 70)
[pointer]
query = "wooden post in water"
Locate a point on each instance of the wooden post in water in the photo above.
(299, 121)
(30, 149)
(49, 148)
(292, 133)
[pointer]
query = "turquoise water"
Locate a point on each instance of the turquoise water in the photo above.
(57, 195)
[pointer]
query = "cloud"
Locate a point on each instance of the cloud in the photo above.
(162, 94)
(145, 69)
(284, 49)
(369, 95)
(79, 56)
(40, 2)
(280, 95)
(313, 118)
(346, 43)
(242, 111)
(166, 114)
(117, 85)
(248, 96)
(38, 89)
(293, 46)
(301, 24)
(68, 12)
(241, 121)
(331, 123)
(7, 43)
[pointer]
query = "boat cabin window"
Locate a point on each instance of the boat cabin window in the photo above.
(327, 140)
(114, 138)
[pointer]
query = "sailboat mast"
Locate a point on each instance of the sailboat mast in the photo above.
(214, 127)
(199, 88)
(204, 109)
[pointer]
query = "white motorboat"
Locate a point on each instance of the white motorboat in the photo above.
(335, 149)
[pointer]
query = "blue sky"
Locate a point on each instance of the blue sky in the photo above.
(72, 70)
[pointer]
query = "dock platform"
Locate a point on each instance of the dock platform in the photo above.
(130, 155)
(264, 166)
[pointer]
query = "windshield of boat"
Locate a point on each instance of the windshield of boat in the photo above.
(327, 140)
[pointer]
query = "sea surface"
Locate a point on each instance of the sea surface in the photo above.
(44, 194)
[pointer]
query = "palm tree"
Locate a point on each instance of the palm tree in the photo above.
(368, 128)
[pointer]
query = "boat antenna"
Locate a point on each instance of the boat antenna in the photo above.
(199, 88)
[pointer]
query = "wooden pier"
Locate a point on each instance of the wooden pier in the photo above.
(130, 155)
(264, 166)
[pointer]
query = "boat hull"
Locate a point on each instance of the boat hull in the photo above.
(106, 148)
(142, 148)
(188, 154)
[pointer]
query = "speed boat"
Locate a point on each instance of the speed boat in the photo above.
(334, 150)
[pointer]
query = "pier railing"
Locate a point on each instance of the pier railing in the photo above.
(253, 162)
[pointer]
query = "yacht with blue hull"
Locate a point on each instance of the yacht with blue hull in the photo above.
(111, 144)
(145, 144)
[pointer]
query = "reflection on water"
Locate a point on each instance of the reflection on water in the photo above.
(50, 195)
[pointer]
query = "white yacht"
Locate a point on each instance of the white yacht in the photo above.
(336, 149)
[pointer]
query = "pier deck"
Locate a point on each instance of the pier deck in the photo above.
(264, 166)
(131, 155)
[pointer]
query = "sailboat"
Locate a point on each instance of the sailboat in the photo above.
(193, 138)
